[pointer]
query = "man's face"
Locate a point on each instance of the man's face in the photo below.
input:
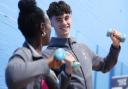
(62, 25)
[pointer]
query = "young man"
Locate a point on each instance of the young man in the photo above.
(60, 17)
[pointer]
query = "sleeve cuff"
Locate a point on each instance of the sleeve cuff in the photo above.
(67, 75)
(115, 48)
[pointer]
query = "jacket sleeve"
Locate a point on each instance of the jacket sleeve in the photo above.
(19, 72)
(107, 63)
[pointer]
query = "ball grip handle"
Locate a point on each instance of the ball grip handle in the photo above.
(122, 37)
(60, 55)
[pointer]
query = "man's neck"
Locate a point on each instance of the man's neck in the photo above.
(63, 36)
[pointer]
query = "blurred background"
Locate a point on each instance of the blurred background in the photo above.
(91, 21)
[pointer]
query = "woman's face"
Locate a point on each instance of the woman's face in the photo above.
(47, 30)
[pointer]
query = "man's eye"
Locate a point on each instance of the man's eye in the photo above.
(59, 20)
(66, 18)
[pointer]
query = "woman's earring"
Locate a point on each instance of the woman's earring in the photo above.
(43, 34)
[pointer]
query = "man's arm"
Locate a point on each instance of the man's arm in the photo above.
(107, 63)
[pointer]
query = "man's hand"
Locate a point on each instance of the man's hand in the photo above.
(69, 59)
(115, 36)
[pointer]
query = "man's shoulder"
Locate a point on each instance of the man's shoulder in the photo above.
(81, 45)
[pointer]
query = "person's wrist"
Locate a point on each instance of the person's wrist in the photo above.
(116, 45)
(68, 68)
(67, 73)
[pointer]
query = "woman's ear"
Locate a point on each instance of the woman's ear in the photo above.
(42, 26)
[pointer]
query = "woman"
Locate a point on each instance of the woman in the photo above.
(26, 68)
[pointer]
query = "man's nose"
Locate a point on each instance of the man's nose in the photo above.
(64, 22)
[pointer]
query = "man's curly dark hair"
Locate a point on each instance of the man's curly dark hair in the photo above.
(58, 8)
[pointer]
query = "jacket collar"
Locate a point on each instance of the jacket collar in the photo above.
(61, 42)
(35, 54)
